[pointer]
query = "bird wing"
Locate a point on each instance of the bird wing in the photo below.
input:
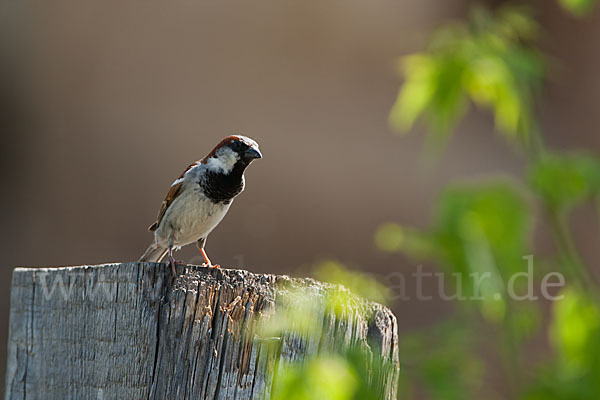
(174, 191)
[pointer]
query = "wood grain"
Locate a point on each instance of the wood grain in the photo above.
(132, 331)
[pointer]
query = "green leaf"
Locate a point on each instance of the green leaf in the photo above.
(417, 93)
(488, 61)
(489, 218)
(325, 377)
(578, 8)
(575, 336)
(478, 230)
(564, 181)
(575, 330)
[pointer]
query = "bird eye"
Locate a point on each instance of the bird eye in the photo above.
(237, 146)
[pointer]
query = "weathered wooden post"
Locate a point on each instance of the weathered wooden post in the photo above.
(132, 331)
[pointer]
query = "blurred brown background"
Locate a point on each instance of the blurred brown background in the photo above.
(103, 104)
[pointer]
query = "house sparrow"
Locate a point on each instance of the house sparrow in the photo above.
(199, 199)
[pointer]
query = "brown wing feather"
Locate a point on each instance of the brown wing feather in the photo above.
(174, 191)
(171, 195)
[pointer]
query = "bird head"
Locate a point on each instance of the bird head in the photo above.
(232, 151)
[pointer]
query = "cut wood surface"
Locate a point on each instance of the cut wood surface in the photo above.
(133, 331)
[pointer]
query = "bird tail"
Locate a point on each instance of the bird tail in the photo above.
(154, 253)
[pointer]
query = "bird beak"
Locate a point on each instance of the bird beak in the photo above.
(252, 153)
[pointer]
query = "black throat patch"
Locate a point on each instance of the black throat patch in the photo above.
(222, 188)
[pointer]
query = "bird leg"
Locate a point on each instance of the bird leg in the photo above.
(207, 260)
(172, 261)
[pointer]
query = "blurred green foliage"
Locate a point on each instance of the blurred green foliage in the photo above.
(487, 227)
(342, 376)
(324, 377)
(392, 237)
(578, 8)
(574, 332)
(563, 181)
(480, 228)
(357, 282)
(443, 357)
(488, 61)
(575, 336)
(336, 372)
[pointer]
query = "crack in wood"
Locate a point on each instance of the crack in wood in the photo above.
(196, 336)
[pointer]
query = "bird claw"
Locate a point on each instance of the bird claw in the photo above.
(172, 263)
(211, 266)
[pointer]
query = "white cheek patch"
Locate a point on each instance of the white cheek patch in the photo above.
(223, 161)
